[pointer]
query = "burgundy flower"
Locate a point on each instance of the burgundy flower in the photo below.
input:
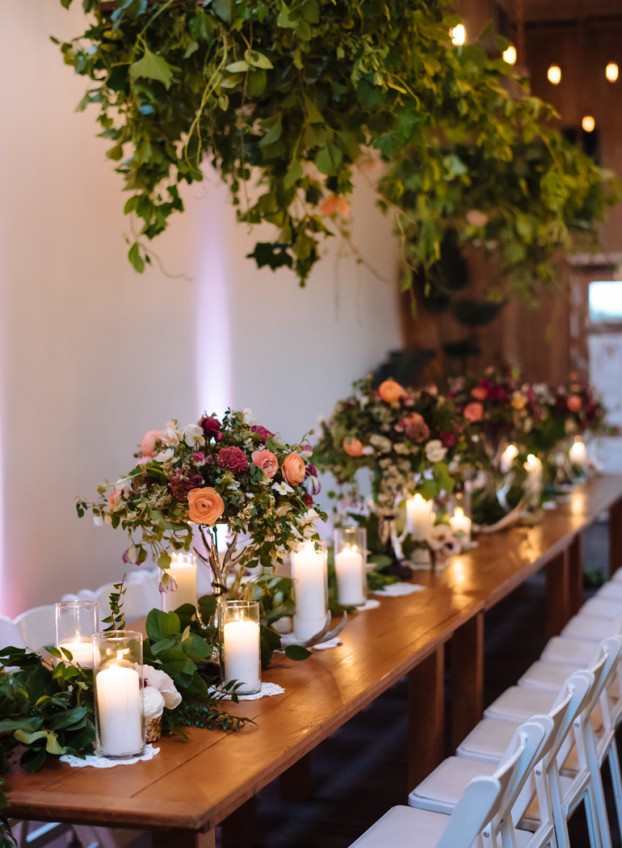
(448, 440)
(199, 458)
(263, 432)
(211, 426)
(307, 499)
(232, 458)
(181, 482)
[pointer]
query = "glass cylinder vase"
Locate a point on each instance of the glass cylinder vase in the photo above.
(118, 671)
(76, 622)
(240, 645)
(310, 576)
(351, 565)
(182, 586)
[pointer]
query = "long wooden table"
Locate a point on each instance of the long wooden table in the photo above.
(189, 788)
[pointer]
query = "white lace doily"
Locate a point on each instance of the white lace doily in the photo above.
(397, 590)
(105, 762)
(290, 639)
(267, 691)
(370, 603)
(331, 643)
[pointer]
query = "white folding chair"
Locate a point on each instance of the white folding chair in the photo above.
(9, 634)
(141, 594)
(37, 626)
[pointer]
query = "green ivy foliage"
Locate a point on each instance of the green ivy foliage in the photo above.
(289, 95)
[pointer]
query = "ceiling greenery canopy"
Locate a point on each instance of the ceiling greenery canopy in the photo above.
(291, 97)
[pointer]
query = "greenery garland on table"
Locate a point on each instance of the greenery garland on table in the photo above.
(293, 95)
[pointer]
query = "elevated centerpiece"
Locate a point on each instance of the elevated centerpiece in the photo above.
(187, 480)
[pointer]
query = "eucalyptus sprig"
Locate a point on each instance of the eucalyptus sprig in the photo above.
(116, 619)
(290, 96)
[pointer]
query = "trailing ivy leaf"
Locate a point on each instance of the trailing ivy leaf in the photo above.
(272, 255)
(154, 67)
(297, 652)
(329, 159)
(258, 60)
(135, 258)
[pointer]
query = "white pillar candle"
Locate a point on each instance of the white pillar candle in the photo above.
(183, 570)
(309, 574)
(419, 517)
(461, 524)
(533, 481)
(351, 577)
(578, 454)
(81, 650)
(120, 711)
(507, 458)
(241, 655)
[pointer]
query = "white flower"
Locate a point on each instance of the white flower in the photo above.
(368, 451)
(282, 488)
(193, 435)
(248, 416)
(443, 540)
(401, 448)
(153, 703)
(164, 455)
(434, 451)
(381, 442)
(161, 681)
(98, 521)
(170, 436)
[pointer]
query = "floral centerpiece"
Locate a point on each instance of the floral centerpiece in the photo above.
(188, 479)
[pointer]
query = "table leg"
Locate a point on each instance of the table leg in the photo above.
(183, 839)
(239, 830)
(575, 565)
(467, 668)
(557, 593)
(426, 710)
(296, 784)
(615, 536)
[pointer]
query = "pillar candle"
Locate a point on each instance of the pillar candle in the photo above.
(461, 524)
(120, 711)
(183, 569)
(419, 517)
(350, 571)
(507, 458)
(578, 454)
(309, 573)
(241, 655)
(81, 649)
(533, 482)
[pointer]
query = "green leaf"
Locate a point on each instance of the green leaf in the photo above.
(329, 159)
(154, 67)
(135, 258)
(164, 560)
(258, 60)
(237, 67)
(297, 652)
(161, 625)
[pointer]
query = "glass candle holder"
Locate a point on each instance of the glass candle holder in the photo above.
(420, 517)
(118, 672)
(351, 565)
(309, 573)
(183, 589)
(240, 645)
(76, 622)
(460, 524)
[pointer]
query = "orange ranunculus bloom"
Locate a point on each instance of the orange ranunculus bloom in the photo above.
(267, 461)
(113, 499)
(473, 412)
(293, 469)
(390, 391)
(334, 204)
(479, 392)
(205, 506)
(574, 403)
(352, 446)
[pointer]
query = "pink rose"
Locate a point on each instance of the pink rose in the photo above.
(114, 498)
(473, 412)
(574, 403)
(149, 441)
(415, 427)
(352, 446)
(390, 391)
(293, 469)
(479, 393)
(267, 461)
(333, 204)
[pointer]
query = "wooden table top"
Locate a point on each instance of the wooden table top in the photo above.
(195, 785)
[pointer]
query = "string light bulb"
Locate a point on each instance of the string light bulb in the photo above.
(588, 124)
(612, 71)
(458, 35)
(554, 74)
(509, 55)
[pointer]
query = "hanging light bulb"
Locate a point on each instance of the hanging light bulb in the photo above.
(554, 74)
(458, 35)
(509, 54)
(588, 124)
(612, 71)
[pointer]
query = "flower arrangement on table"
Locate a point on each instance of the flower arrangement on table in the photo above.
(188, 479)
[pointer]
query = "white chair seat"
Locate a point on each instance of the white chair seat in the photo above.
(590, 628)
(518, 704)
(610, 591)
(488, 740)
(549, 676)
(602, 607)
(403, 827)
(441, 790)
(569, 651)
(616, 577)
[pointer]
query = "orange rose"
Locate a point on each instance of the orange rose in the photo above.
(205, 506)
(333, 204)
(352, 446)
(390, 391)
(473, 412)
(149, 441)
(574, 403)
(267, 461)
(293, 469)
(479, 392)
(113, 499)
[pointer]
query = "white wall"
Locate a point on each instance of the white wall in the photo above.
(92, 355)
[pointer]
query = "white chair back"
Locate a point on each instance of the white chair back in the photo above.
(37, 626)
(9, 634)
(141, 595)
(475, 809)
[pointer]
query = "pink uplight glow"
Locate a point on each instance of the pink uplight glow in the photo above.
(213, 337)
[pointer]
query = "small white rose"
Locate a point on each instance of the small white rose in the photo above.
(434, 451)
(153, 703)
(160, 680)
(98, 521)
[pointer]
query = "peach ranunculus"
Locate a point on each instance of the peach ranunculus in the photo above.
(205, 506)
(574, 403)
(113, 499)
(390, 391)
(479, 392)
(352, 446)
(334, 204)
(473, 412)
(476, 218)
(267, 461)
(293, 469)
(149, 441)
